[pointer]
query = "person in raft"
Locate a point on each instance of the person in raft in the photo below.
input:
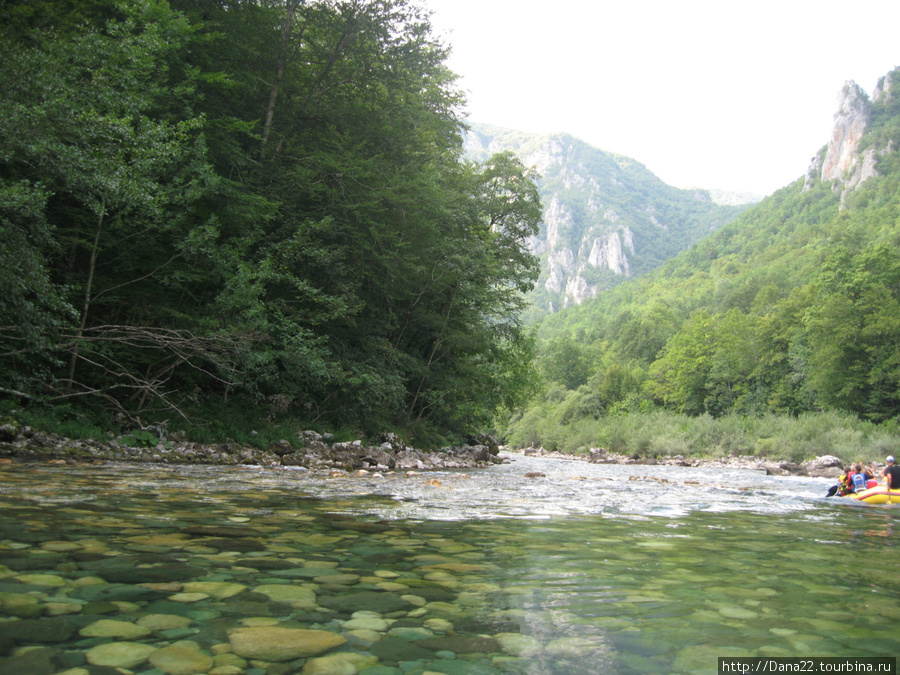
(845, 484)
(891, 474)
(867, 471)
(858, 478)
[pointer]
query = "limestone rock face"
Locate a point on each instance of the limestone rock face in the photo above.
(842, 162)
(606, 217)
(850, 123)
(610, 253)
(570, 251)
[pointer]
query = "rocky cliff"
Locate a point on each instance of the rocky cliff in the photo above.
(606, 216)
(844, 161)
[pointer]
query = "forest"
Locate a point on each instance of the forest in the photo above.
(226, 216)
(243, 218)
(789, 312)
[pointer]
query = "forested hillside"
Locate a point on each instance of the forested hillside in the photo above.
(219, 213)
(791, 309)
(606, 217)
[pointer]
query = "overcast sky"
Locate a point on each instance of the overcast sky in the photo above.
(725, 94)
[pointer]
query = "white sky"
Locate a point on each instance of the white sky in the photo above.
(725, 94)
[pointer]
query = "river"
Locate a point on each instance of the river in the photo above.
(584, 569)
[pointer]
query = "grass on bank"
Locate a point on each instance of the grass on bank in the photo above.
(660, 433)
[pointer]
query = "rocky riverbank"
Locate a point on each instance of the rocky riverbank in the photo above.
(310, 450)
(314, 451)
(826, 466)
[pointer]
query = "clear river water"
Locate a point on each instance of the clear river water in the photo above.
(585, 569)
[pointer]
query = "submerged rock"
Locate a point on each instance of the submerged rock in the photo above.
(120, 654)
(373, 601)
(298, 597)
(36, 631)
(182, 658)
(40, 661)
(159, 622)
(517, 644)
(115, 629)
(126, 573)
(395, 650)
(460, 667)
(214, 589)
(345, 663)
(371, 623)
(278, 644)
(461, 644)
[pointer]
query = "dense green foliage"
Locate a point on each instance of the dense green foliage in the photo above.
(209, 208)
(662, 433)
(792, 309)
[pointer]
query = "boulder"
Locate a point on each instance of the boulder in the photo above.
(487, 440)
(181, 658)
(115, 629)
(281, 448)
(120, 654)
(277, 644)
(826, 466)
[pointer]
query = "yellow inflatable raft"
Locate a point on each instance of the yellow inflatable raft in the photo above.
(877, 495)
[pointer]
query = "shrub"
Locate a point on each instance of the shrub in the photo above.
(659, 433)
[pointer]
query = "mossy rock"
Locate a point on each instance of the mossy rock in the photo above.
(9, 429)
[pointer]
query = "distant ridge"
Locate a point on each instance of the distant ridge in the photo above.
(730, 198)
(607, 218)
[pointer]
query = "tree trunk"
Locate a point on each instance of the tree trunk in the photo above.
(95, 249)
(431, 357)
(279, 72)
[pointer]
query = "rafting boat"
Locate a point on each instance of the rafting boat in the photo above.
(877, 495)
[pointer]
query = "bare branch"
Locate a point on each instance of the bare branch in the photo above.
(215, 356)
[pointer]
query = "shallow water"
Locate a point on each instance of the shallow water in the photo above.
(587, 569)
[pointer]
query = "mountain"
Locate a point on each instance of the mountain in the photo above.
(791, 308)
(606, 217)
(845, 161)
